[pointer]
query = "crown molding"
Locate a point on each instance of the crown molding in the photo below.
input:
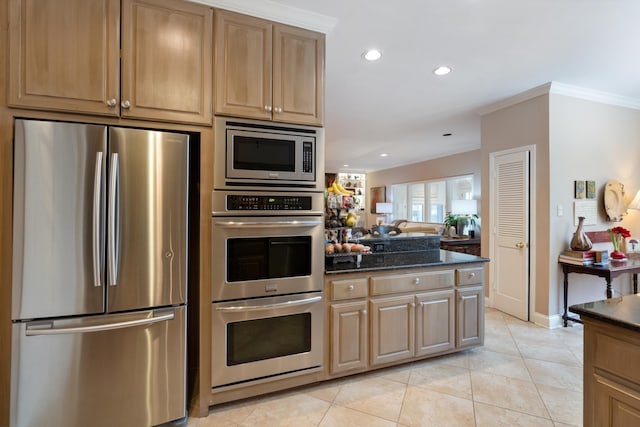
(595, 95)
(278, 12)
(557, 88)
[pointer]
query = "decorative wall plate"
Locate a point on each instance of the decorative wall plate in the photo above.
(614, 204)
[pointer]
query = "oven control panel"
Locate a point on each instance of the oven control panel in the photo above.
(268, 203)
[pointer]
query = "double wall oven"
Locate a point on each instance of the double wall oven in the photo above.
(267, 274)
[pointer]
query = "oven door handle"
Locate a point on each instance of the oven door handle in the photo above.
(263, 224)
(238, 308)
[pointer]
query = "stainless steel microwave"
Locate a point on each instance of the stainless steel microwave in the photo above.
(257, 154)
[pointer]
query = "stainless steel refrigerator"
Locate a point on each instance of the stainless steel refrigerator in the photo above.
(99, 276)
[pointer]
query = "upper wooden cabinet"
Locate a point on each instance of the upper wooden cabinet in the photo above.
(65, 55)
(269, 71)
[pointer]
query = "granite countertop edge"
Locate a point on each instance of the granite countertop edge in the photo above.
(619, 311)
(457, 259)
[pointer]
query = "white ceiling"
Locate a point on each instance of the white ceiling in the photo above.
(498, 49)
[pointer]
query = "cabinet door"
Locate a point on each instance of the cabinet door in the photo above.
(65, 55)
(298, 75)
(243, 59)
(470, 316)
(348, 336)
(615, 404)
(435, 320)
(167, 61)
(392, 329)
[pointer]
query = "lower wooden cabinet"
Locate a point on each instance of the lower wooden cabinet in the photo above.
(435, 322)
(376, 320)
(349, 336)
(470, 316)
(611, 373)
(392, 329)
(615, 404)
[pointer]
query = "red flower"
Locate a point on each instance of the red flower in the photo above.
(621, 231)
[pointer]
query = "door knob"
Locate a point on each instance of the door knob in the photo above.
(521, 245)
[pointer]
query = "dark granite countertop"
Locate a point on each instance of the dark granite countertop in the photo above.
(401, 260)
(620, 311)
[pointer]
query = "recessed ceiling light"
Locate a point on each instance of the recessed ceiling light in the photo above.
(442, 70)
(345, 166)
(383, 155)
(372, 55)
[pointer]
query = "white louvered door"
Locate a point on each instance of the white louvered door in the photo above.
(510, 227)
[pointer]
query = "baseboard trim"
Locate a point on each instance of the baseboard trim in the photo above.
(550, 322)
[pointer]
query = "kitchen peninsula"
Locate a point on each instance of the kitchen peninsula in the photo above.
(611, 350)
(405, 300)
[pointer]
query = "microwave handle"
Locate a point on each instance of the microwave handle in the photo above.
(270, 306)
(262, 224)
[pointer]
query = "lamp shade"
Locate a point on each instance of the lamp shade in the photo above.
(464, 207)
(635, 203)
(384, 208)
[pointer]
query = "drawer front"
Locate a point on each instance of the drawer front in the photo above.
(614, 355)
(469, 276)
(411, 282)
(349, 288)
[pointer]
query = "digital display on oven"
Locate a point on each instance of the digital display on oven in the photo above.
(267, 203)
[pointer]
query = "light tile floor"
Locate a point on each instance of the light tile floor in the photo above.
(524, 375)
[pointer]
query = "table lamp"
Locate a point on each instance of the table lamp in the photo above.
(383, 208)
(635, 203)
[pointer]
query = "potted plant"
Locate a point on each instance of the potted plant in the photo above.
(450, 220)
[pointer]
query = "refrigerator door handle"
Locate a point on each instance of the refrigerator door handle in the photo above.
(112, 244)
(49, 329)
(96, 244)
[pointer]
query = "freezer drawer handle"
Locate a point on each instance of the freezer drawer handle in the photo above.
(269, 306)
(97, 190)
(38, 330)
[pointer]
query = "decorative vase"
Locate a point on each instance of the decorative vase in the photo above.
(580, 241)
(618, 251)
(618, 255)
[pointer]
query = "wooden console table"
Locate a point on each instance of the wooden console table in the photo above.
(608, 272)
(465, 246)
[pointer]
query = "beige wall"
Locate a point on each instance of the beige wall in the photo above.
(575, 139)
(588, 141)
(444, 167)
(520, 125)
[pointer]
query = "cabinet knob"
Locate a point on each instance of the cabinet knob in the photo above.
(267, 108)
(364, 312)
(126, 104)
(111, 102)
(472, 275)
(278, 110)
(351, 287)
(416, 281)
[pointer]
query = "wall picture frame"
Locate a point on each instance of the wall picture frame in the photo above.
(378, 195)
(590, 189)
(579, 189)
